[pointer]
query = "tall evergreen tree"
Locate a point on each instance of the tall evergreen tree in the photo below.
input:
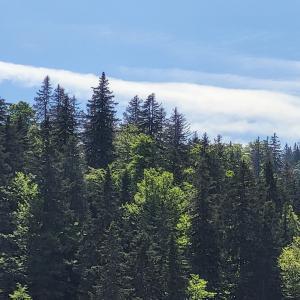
(256, 157)
(43, 100)
(276, 152)
(52, 228)
(133, 113)
(100, 125)
(204, 245)
(177, 133)
(65, 117)
(152, 117)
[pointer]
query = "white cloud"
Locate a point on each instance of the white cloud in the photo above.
(230, 112)
(227, 80)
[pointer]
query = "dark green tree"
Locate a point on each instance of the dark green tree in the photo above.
(176, 136)
(153, 117)
(133, 113)
(204, 238)
(100, 125)
(4, 167)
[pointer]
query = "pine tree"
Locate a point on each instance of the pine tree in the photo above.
(100, 125)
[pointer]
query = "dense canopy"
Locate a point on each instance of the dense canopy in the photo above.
(94, 207)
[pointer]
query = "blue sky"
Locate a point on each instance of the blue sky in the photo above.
(242, 56)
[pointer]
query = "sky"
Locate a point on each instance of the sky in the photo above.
(232, 67)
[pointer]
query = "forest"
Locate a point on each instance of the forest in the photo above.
(95, 206)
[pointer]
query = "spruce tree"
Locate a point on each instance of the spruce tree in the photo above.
(153, 117)
(204, 243)
(65, 115)
(243, 233)
(133, 113)
(100, 125)
(276, 152)
(50, 245)
(177, 134)
(43, 100)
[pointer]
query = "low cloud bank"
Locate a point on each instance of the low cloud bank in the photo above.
(228, 111)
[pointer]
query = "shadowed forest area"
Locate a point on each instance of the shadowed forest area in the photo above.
(96, 207)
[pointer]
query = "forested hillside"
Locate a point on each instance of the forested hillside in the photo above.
(97, 207)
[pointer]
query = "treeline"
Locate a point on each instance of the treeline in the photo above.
(92, 207)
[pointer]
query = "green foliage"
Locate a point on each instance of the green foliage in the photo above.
(229, 173)
(20, 293)
(144, 154)
(160, 215)
(196, 289)
(23, 194)
(289, 263)
(100, 125)
(22, 112)
(129, 211)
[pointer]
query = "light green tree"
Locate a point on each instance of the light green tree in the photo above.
(289, 263)
(196, 289)
(160, 216)
(20, 293)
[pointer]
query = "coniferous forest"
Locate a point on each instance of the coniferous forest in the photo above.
(94, 206)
